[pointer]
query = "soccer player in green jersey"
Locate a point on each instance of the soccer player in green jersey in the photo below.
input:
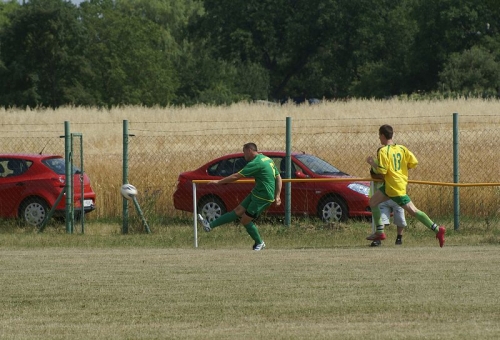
(393, 161)
(267, 190)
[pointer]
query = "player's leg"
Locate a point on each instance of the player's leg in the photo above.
(425, 220)
(399, 221)
(228, 217)
(377, 198)
(385, 213)
(420, 215)
(254, 209)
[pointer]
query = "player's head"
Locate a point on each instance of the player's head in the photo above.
(250, 150)
(386, 131)
(250, 146)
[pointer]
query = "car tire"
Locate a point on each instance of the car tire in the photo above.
(33, 211)
(332, 209)
(211, 208)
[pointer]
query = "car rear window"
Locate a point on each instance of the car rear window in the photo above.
(318, 166)
(57, 165)
(13, 167)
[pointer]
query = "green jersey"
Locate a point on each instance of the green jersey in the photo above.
(263, 170)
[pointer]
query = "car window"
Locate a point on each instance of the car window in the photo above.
(227, 167)
(13, 167)
(3, 165)
(57, 165)
(280, 163)
(239, 164)
(318, 166)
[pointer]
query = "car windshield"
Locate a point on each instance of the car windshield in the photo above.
(57, 165)
(319, 166)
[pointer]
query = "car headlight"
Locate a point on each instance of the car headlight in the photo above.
(359, 188)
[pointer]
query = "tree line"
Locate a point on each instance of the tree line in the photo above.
(108, 53)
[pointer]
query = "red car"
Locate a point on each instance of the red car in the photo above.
(331, 201)
(30, 185)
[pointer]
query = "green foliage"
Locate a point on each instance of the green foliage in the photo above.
(6, 7)
(128, 59)
(472, 72)
(183, 52)
(282, 36)
(386, 34)
(43, 62)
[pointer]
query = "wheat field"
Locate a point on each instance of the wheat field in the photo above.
(194, 134)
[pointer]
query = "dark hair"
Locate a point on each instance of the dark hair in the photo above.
(386, 130)
(251, 146)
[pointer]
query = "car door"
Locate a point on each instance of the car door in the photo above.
(231, 194)
(11, 186)
(300, 191)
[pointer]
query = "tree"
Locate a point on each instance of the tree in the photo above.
(444, 27)
(284, 37)
(128, 56)
(6, 7)
(472, 72)
(43, 59)
(385, 35)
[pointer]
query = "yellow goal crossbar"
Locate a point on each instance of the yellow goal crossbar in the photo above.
(353, 179)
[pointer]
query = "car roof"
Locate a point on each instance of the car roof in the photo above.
(27, 156)
(266, 152)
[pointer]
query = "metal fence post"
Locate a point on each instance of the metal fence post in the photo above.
(456, 174)
(125, 176)
(288, 174)
(68, 159)
(195, 217)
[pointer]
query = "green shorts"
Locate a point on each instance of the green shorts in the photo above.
(400, 200)
(254, 206)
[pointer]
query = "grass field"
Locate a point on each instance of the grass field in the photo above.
(312, 282)
(157, 293)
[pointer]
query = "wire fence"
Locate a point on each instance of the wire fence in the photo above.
(157, 155)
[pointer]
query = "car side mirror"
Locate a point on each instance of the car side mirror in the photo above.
(300, 174)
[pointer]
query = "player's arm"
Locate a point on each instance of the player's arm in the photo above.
(370, 160)
(412, 160)
(374, 175)
(277, 190)
(229, 179)
(382, 162)
(375, 169)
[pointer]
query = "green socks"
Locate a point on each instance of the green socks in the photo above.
(230, 217)
(422, 217)
(226, 218)
(253, 232)
(377, 218)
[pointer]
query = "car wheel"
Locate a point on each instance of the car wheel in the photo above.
(33, 211)
(332, 209)
(211, 208)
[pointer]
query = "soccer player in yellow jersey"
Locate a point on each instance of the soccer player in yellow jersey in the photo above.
(393, 161)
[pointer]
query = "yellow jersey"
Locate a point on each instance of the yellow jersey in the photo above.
(393, 162)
